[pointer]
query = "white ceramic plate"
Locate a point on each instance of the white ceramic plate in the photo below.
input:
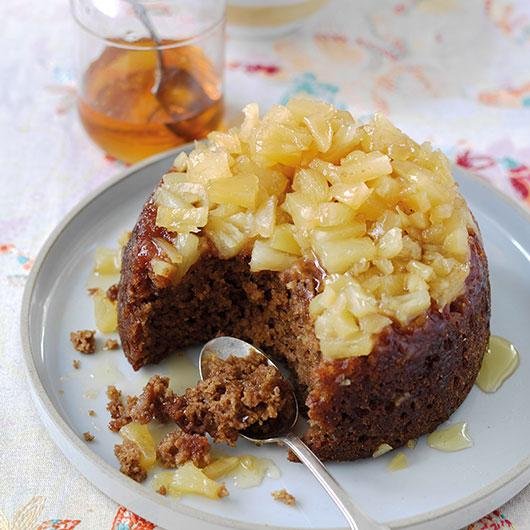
(437, 490)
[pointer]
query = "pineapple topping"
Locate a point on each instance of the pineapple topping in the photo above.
(381, 214)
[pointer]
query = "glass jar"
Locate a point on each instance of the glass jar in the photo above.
(150, 72)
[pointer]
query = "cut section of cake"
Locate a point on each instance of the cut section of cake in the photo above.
(343, 249)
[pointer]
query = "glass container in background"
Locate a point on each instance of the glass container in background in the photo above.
(150, 72)
(268, 18)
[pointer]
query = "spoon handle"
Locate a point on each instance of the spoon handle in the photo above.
(356, 519)
(143, 17)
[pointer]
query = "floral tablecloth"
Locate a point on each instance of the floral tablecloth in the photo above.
(456, 72)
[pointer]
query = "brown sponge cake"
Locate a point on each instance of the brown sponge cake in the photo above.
(362, 386)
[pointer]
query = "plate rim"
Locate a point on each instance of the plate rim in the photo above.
(54, 421)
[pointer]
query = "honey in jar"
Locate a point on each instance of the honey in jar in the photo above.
(123, 116)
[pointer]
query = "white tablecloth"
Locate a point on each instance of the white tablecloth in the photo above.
(451, 71)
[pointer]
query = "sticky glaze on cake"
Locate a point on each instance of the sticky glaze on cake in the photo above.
(344, 249)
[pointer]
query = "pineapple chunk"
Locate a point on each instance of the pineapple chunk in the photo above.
(226, 140)
(107, 261)
(264, 257)
(373, 323)
(167, 249)
(345, 139)
(105, 313)
(391, 244)
(124, 238)
(206, 165)
(335, 213)
(181, 211)
(301, 209)
(340, 255)
(357, 346)
(187, 480)
(265, 218)
(221, 467)
(360, 167)
(164, 269)
(250, 122)
(351, 194)
(456, 243)
(181, 162)
(408, 306)
(226, 236)
(359, 302)
(283, 239)
(313, 184)
(141, 436)
(320, 127)
(240, 190)
(322, 301)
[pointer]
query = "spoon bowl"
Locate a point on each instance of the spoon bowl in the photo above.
(273, 429)
(280, 431)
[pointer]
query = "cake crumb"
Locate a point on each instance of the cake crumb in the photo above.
(284, 496)
(112, 292)
(236, 394)
(129, 455)
(92, 291)
(88, 436)
(84, 340)
(76, 363)
(91, 412)
(178, 447)
(119, 411)
(162, 490)
(110, 344)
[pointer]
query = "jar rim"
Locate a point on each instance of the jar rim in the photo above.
(132, 46)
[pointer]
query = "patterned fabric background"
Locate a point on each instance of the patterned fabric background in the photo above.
(456, 72)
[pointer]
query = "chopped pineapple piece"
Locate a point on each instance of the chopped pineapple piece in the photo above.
(221, 467)
(264, 257)
(168, 249)
(311, 183)
(226, 236)
(361, 167)
(240, 190)
(105, 313)
(265, 218)
(391, 244)
(283, 239)
(140, 435)
(107, 261)
(187, 480)
(340, 255)
(351, 194)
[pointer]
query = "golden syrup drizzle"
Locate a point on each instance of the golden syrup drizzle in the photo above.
(500, 362)
(106, 374)
(398, 463)
(452, 438)
(182, 373)
(251, 471)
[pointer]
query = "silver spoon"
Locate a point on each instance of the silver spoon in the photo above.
(282, 432)
(174, 88)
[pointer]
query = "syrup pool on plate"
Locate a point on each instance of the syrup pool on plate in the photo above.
(452, 438)
(500, 362)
